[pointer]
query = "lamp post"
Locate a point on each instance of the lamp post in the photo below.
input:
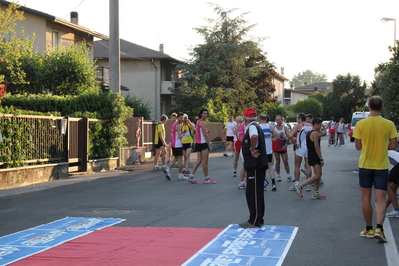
(384, 20)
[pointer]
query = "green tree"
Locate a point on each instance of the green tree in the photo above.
(272, 109)
(348, 95)
(11, 47)
(308, 106)
(386, 84)
(226, 68)
(308, 77)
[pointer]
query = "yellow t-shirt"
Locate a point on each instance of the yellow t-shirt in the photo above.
(375, 133)
(187, 137)
(159, 128)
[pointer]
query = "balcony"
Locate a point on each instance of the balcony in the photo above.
(166, 86)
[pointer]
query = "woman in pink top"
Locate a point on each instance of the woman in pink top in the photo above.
(203, 147)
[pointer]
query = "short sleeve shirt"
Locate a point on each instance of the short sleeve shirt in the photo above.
(375, 133)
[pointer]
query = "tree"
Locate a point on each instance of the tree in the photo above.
(348, 96)
(308, 106)
(11, 47)
(227, 68)
(386, 85)
(308, 77)
(272, 109)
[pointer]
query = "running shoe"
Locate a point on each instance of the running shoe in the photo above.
(379, 235)
(321, 183)
(181, 177)
(184, 172)
(225, 154)
(298, 190)
(307, 188)
(166, 171)
(393, 214)
(235, 173)
(192, 180)
(318, 196)
(168, 161)
(156, 168)
(209, 181)
(290, 179)
(279, 178)
(241, 186)
(367, 234)
(293, 188)
(274, 188)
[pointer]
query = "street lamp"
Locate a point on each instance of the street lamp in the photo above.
(384, 20)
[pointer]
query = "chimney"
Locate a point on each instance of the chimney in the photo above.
(75, 17)
(161, 47)
(282, 71)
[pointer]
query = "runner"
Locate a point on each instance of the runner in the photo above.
(340, 127)
(169, 147)
(301, 150)
(270, 135)
(393, 184)
(203, 147)
(239, 132)
(188, 129)
(177, 148)
(160, 144)
(280, 148)
(314, 158)
(229, 136)
(331, 131)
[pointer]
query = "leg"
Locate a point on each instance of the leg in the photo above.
(367, 208)
(156, 159)
(163, 155)
(392, 188)
(277, 164)
(197, 163)
(381, 208)
(297, 170)
(205, 157)
(187, 157)
(284, 156)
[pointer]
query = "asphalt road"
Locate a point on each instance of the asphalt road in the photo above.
(328, 229)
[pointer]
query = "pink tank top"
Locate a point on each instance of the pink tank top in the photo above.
(200, 135)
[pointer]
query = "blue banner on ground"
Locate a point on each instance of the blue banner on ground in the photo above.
(267, 245)
(26, 243)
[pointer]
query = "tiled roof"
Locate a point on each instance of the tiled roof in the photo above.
(321, 85)
(128, 50)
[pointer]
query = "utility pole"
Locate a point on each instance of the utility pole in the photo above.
(114, 46)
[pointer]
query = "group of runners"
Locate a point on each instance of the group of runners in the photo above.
(181, 144)
(277, 138)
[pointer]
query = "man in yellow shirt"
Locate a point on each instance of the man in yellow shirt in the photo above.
(374, 136)
(160, 143)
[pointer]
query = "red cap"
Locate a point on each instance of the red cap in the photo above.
(250, 113)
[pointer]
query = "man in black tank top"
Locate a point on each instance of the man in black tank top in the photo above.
(314, 158)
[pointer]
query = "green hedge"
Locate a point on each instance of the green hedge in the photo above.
(105, 137)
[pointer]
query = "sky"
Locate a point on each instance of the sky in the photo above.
(327, 37)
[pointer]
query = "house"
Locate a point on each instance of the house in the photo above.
(145, 73)
(323, 87)
(50, 31)
(279, 83)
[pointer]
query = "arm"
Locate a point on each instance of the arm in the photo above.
(179, 133)
(206, 135)
(287, 133)
(392, 144)
(254, 140)
(358, 144)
